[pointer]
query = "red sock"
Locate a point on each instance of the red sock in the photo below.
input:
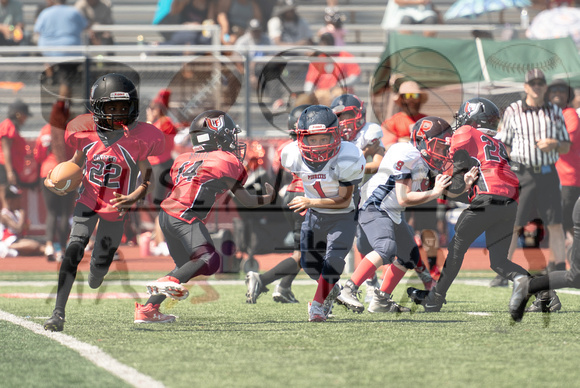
(393, 276)
(365, 270)
(322, 290)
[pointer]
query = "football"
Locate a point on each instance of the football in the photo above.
(66, 176)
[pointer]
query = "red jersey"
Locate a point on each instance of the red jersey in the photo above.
(110, 168)
(568, 164)
(400, 123)
(18, 148)
(495, 175)
(296, 186)
(169, 130)
(198, 181)
(326, 75)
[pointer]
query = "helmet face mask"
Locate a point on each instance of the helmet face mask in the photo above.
(432, 137)
(351, 114)
(318, 120)
(479, 113)
(215, 130)
(114, 102)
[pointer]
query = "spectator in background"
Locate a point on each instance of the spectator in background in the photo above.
(329, 79)
(58, 208)
(568, 165)
(60, 25)
(190, 12)
(253, 37)
(535, 136)
(97, 12)
(234, 16)
(11, 22)
(334, 24)
(410, 12)
(287, 27)
(13, 150)
(157, 115)
(409, 99)
(13, 226)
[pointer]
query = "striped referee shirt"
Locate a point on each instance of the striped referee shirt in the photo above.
(522, 126)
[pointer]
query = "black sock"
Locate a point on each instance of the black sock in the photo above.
(188, 270)
(285, 267)
(432, 261)
(287, 280)
(560, 266)
(554, 280)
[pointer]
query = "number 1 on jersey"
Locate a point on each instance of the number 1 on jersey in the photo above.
(318, 187)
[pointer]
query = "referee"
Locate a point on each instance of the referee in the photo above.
(535, 135)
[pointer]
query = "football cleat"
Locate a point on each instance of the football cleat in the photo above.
(150, 314)
(348, 297)
(546, 302)
(283, 295)
(499, 281)
(430, 300)
(519, 297)
(383, 303)
(168, 286)
(316, 312)
(329, 301)
(54, 323)
(255, 287)
(95, 281)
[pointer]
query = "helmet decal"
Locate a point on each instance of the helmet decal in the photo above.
(119, 96)
(215, 123)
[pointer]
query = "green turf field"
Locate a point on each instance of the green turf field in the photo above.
(220, 341)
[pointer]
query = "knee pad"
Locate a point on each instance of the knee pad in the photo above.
(74, 252)
(212, 259)
(413, 259)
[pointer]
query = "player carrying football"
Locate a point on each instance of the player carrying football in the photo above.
(112, 147)
(481, 168)
(200, 177)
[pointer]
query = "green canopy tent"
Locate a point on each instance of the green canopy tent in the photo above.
(454, 69)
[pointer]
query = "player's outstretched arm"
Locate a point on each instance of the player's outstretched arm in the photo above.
(250, 200)
(123, 202)
(407, 197)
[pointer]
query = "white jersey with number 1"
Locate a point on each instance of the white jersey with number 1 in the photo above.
(345, 168)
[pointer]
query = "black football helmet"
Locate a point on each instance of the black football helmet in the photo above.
(478, 112)
(215, 130)
(318, 120)
(113, 87)
(432, 137)
(349, 128)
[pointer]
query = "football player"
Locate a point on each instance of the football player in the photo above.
(404, 179)
(367, 136)
(331, 171)
(112, 147)
(214, 167)
(480, 168)
(288, 268)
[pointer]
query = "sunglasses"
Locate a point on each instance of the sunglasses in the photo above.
(537, 83)
(411, 96)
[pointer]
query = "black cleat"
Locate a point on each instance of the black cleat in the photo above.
(430, 300)
(417, 295)
(546, 302)
(54, 323)
(499, 281)
(95, 281)
(519, 298)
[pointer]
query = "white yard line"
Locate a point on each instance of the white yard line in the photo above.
(90, 352)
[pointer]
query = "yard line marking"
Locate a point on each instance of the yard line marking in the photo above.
(93, 295)
(90, 352)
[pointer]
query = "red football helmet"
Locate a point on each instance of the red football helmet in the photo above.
(318, 120)
(349, 128)
(432, 137)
